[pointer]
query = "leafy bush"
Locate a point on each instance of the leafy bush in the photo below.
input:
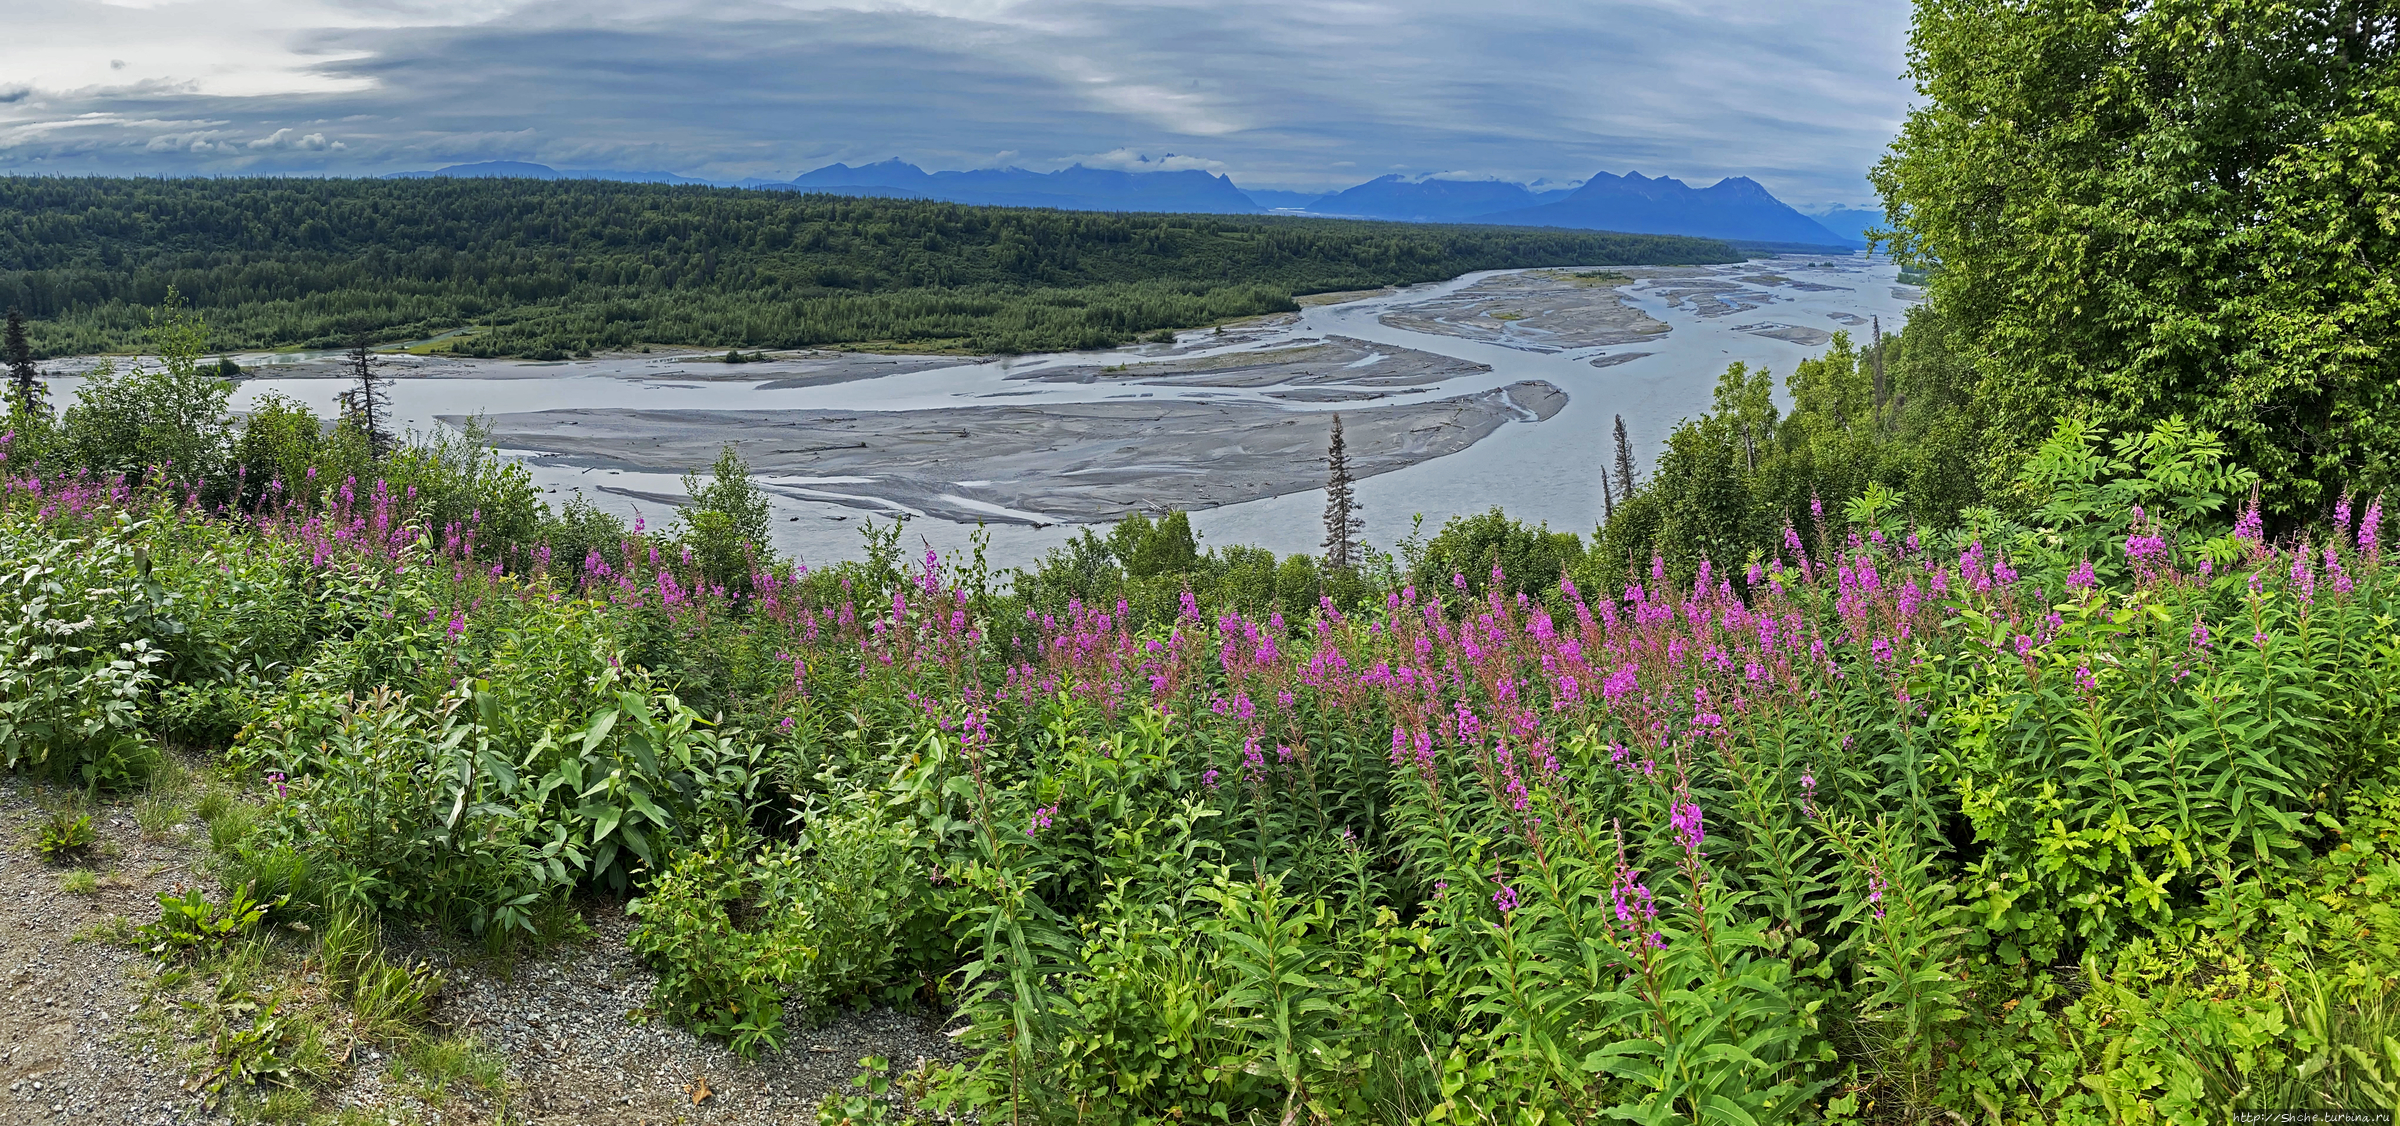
(72, 682)
(739, 939)
(1470, 553)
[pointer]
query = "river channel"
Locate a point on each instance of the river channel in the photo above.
(1495, 388)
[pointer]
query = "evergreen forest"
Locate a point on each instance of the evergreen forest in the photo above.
(546, 269)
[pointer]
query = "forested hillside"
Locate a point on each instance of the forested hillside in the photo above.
(553, 267)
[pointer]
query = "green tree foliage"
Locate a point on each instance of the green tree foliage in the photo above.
(2185, 207)
(24, 379)
(168, 418)
(1469, 552)
(1148, 549)
(1732, 480)
(550, 268)
(725, 526)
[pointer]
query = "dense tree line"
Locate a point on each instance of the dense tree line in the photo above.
(2188, 207)
(553, 267)
(2123, 218)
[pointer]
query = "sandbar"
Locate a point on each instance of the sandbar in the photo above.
(1028, 464)
(1330, 361)
(1798, 334)
(1537, 310)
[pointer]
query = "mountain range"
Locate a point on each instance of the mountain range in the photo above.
(1735, 208)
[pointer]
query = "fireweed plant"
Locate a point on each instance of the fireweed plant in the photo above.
(1890, 824)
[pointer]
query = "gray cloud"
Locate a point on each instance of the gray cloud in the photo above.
(1801, 95)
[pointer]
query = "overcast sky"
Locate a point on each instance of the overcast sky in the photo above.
(1801, 95)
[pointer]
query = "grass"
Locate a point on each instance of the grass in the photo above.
(229, 823)
(79, 881)
(165, 804)
(437, 1067)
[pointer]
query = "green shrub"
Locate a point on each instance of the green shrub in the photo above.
(1475, 548)
(740, 936)
(72, 683)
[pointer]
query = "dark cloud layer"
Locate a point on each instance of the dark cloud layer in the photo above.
(1801, 96)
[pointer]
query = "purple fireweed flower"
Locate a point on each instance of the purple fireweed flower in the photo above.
(1688, 831)
(1505, 899)
(2199, 633)
(2341, 521)
(1808, 793)
(2370, 531)
(1635, 907)
(2085, 679)
(1041, 818)
(2250, 527)
(1209, 779)
(1875, 886)
(2081, 578)
(2145, 548)
(275, 778)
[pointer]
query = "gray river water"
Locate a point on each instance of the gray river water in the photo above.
(1544, 471)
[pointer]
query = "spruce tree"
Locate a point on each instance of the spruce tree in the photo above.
(1882, 390)
(368, 406)
(1625, 480)
(24, 380)
(1343, 524)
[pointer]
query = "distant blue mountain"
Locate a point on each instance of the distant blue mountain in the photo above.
(1430, 201)
(1271, 198)
(1732, 208)
(518, 169)
(881, 174)
(1850, 223)
(1074, 188)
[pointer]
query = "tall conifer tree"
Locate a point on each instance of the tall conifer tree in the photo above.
(1625, 480)
(369, 405)
(24, 380)
(1343, 524)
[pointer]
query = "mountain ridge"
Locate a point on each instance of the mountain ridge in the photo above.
(1736, 207)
